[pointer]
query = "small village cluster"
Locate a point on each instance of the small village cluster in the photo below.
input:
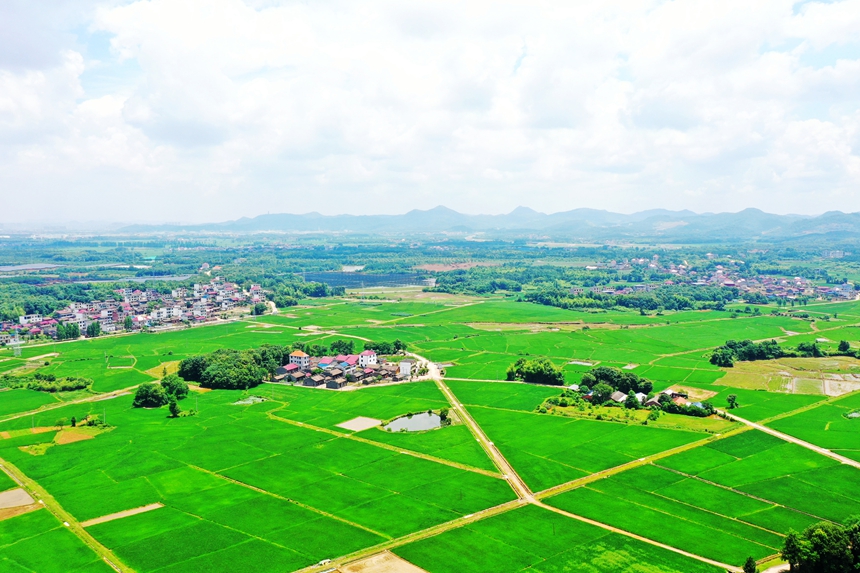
(336, 372)
(134, 309)
(770, 286)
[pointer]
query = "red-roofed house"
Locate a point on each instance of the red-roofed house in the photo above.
(366, 358)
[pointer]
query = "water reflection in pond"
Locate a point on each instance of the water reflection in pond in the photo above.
(415, 423)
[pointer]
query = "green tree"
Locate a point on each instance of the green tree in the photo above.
(723, 357)
(175, 386)
(844, 346)
(821, 548)
(149, 395)
(191, 369)
(810, 350)
(128, 323)
(631, 402)
(732, 399)
(750, 566)
(173, 406)
(94, 329)
(258, 309)
(343, 347)
(601, 393)
(540, 371)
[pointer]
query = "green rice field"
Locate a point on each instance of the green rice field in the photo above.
(278, 485)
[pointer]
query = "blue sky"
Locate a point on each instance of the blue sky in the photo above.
(203, 110)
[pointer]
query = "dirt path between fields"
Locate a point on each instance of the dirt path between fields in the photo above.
(514, 480)
(384, 446)
(638, 537)
(47, 501)
(121, 514)
(793, 440)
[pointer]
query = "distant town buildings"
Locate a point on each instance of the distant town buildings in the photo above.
(133, 309)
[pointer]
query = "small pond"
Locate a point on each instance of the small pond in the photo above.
(415, 423)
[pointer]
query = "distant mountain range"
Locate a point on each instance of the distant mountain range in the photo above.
(578, 224)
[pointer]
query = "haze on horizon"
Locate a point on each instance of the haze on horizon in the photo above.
(210, 110)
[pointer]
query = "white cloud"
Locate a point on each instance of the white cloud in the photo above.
(235, 108)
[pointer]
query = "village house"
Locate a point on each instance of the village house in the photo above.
(300, 358)
(406, 367)
(366, 358)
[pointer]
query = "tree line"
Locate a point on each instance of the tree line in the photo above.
(748, 351)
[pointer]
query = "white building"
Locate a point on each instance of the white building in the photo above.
(367, 358)
(300, 358)
(30, 318)
(406, 367)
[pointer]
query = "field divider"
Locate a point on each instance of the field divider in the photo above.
(51, 505)
(579, 482)
(739, 492)
(287, 499)
(388, 447)
(416, 536)
(791, 439)
(509, 473)
(828, 400)
(638, 537)
(94, 398)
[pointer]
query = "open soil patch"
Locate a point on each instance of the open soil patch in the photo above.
(49, 355)
(15, 498)
(695, 394)
(121, 514)
(72, 435)
(20, 510)
(385, 562)
(359, 424)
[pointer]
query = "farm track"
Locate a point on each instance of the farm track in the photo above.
(736, 491)
(639, 537)
(282, 498)
(525, 495)
(52, 505)
(514, 480)
(574, 484)
(389, 447)
(806, 408)
(797, 441)
(416, 536)
(93, 398)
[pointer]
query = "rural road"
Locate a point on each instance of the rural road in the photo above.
(518, 485)
(793, 440)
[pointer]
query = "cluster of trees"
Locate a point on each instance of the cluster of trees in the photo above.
(537, 371)
(288, 290)
(337, 347)
(94, 329)
(748, 351)
(154, 395)
(68, 332)
(616, 379)
(395, 347)
(231, 369)
(745, 350)
(46, 382)
(676, 297)
(824, 548)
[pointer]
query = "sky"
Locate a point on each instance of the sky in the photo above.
(210, 110)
